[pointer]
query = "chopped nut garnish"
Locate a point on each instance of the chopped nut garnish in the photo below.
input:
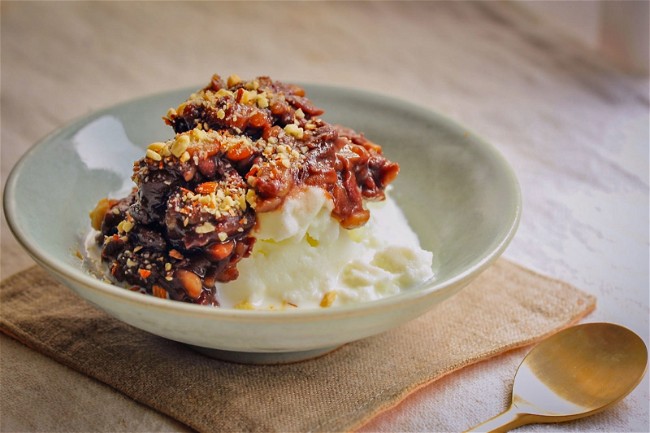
(179, 147)
(125, 226)
(224, 93)
(294, 130)
(153, 155)
(185, 139)
(252, 85)
(328, 299)
(157, 146)
(262, 100)
(205, 228)
(251, 198)
(233, 80)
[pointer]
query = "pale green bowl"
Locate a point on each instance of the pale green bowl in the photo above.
(458, 193)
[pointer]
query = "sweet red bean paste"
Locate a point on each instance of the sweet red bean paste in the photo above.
(241, 147)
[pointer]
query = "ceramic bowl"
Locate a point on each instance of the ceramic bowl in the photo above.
(458, 193)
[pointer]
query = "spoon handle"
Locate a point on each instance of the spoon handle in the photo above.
(503, 422)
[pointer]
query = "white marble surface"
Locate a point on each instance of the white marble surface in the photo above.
(574, 128)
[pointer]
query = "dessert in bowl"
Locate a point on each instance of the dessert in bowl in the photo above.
(459, 196)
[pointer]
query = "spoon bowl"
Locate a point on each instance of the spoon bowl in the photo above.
(576, 373)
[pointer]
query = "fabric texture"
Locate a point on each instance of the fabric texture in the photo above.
(506, 307)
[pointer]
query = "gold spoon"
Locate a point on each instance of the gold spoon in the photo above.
(575, 373)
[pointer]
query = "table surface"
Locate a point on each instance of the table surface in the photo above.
(574, 128)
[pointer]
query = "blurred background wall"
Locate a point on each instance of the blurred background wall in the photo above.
(618, 29)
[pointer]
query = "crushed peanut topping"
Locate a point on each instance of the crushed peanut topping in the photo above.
(206, 227)
(125, 226)
(328, 299)
(233, 79)
(153, 155)
(294, 130)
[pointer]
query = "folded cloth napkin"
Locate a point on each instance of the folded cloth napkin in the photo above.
(505, 307)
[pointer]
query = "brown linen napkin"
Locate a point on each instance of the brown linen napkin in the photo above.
(506, 307)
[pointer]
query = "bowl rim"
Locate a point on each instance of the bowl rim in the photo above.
(414, 294)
